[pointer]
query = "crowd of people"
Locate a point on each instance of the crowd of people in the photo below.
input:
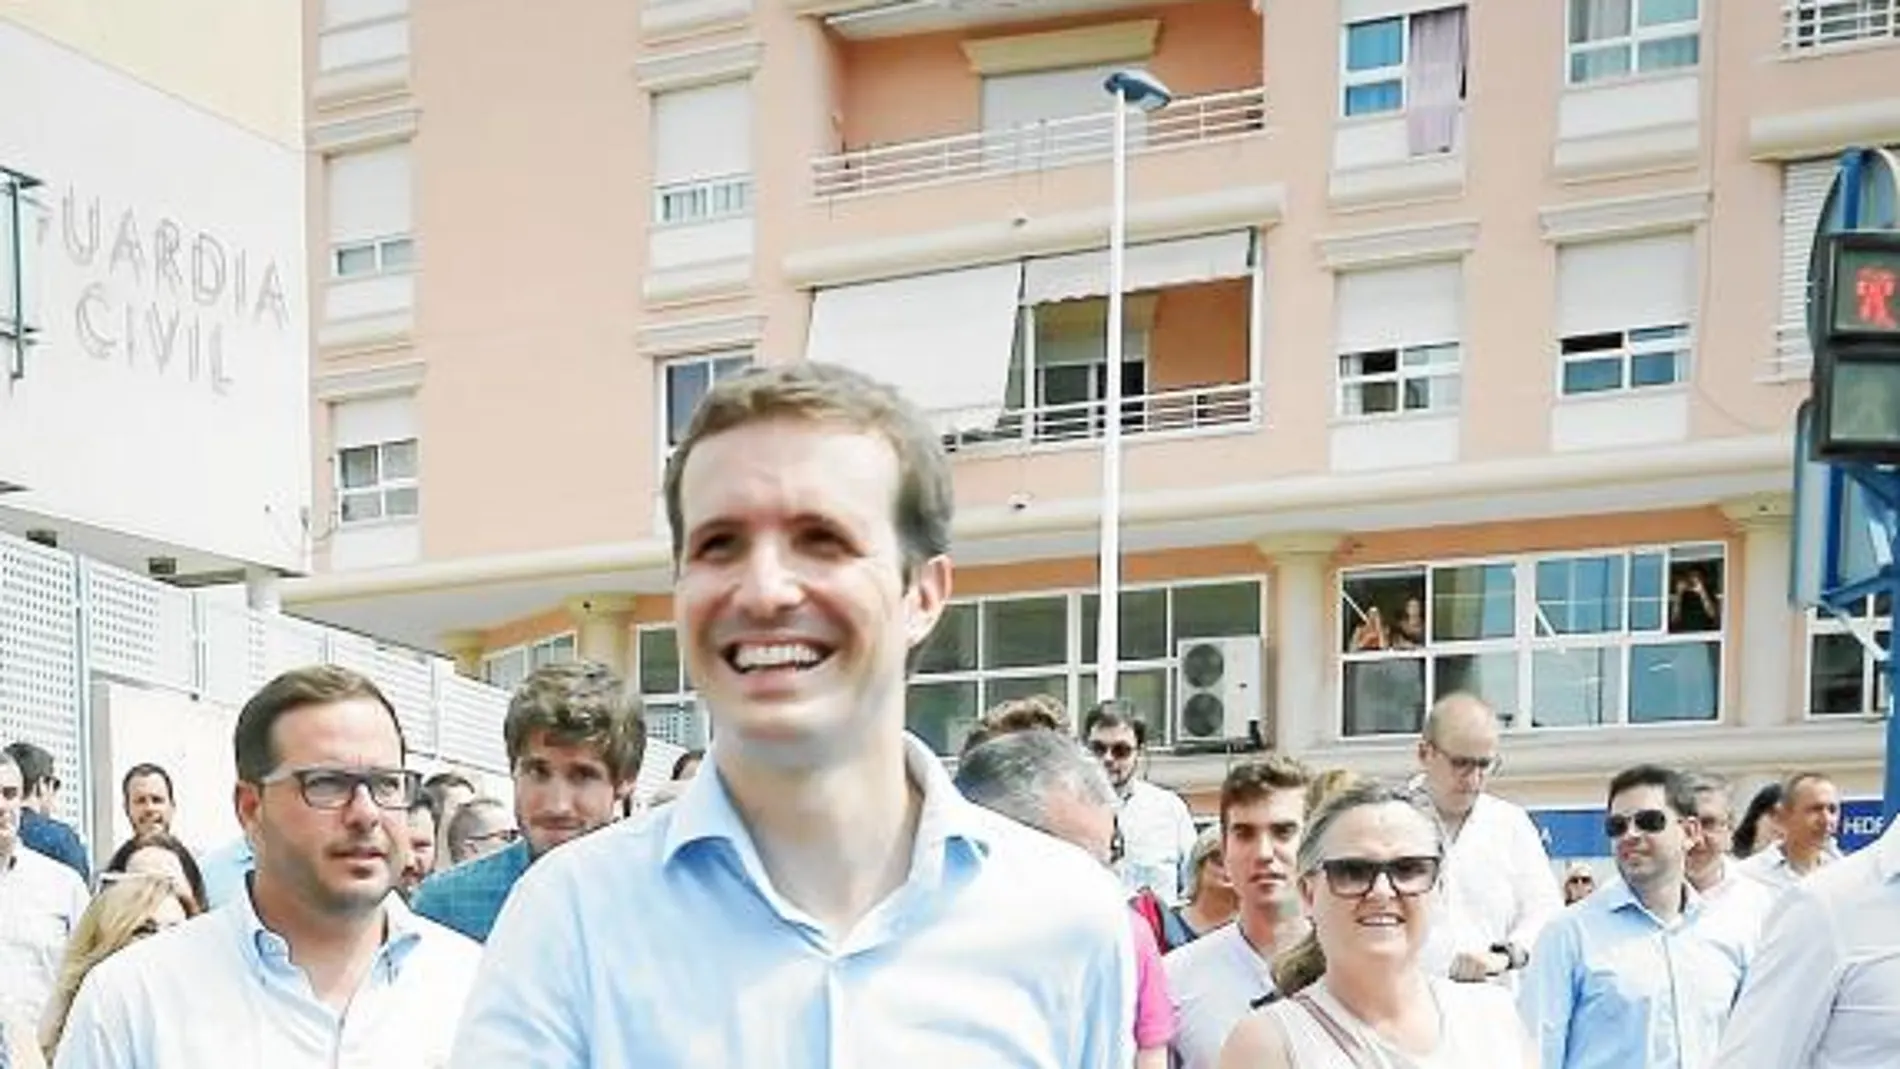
(829, 893)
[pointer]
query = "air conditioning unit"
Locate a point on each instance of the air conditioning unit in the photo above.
(1217, 690)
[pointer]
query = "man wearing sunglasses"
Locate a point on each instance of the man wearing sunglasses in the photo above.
(1642, 973)
(1158, 831)
(1496, 891)
(314, 962)
(40, 830)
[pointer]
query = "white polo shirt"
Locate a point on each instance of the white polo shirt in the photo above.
(1770, 865)
(1496, 886)
(220, 989)
(1157, 837)
(1824, 989)
(41, 901)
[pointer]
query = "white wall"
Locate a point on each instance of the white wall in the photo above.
(190, 739)
(168, 396)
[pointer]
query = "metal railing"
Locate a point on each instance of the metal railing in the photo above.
(1199, 408)
(1037, 146)
(1810, 24)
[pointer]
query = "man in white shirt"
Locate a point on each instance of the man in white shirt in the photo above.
(1215, 980)
(1495, 888)
(1809, 815)
(315, 963)
(1710, 872)
(41, 901)
(1158, 832)
(1824, 990)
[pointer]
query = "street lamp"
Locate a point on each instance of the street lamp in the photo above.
(1131, 89)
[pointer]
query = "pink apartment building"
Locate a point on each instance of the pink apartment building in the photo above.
(1462, 349)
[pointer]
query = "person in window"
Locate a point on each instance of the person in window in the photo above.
(1371, 633)
(1692, 606)
(1409, 632)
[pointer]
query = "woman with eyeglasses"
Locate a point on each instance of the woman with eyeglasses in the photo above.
(129, 909)
(1352, 995)
(158, 854)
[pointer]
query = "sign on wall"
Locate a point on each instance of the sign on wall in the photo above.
(167, 393)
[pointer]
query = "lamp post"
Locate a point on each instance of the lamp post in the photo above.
(1131, 89)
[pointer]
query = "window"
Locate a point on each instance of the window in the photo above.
(1413, 63)
(683, 384)
(1071, 348)
(1623, 314)
(1375, 66)
(1627, 636)
(508, 668)
(370, 213)
(1617, 38)
(1820, 23)
(1624, 360)
(376, 482)
(987, 650)
(1843, 680)
(1397, 332)
(670, 707)
(702, 153)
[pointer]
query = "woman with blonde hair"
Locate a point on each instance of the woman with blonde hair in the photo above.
(1352, 995)
(130, 908)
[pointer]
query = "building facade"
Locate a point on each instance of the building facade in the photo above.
(1462, 348)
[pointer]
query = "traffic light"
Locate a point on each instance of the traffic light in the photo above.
(1857, 347)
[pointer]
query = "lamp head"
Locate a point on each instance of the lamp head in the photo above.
(1138, 87)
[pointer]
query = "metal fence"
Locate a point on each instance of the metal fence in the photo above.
(1810, 24)
(65, 621)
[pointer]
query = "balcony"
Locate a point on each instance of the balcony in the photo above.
(1229, 405)
(1036, 147)
(1808, 25)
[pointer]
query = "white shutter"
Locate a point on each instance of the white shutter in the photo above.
(373, 420)
(350, 12)
(1151, 266)
(703, 132)
(1011, 100)
(1617, 285)
(1804, 187)
(369, 193)
(1393, 307)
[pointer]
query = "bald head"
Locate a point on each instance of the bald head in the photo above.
(1458, 752)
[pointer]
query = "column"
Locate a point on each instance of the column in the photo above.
(1761, 643)
(1302, 712)
(263, 589)
(605, 635)
(466, 648)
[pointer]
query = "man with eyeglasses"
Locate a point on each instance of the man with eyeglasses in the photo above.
(315, 963)
(1635, 975)
(575, 738)
(1495, 890)
(1158, 832)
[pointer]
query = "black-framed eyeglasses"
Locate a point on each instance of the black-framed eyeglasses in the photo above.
(1354, 877)
(1649, 821)
(334, 788)
(1120, 751)
(505, 835)
(1465, 766)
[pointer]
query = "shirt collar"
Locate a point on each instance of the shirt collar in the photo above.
(704, 812)
(268, 950)
(1618, 896)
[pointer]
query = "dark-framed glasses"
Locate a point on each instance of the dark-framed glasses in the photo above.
(1120, 751)
(1649, 821)
(1466, 766)
(1354, 877)
(333, 788)
(499, 835)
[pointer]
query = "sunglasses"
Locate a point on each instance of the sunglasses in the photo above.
(1354, 877)
(1581, 879)
(1648, 821)
(1120, 751)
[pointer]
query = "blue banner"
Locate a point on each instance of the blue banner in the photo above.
(1578, 833)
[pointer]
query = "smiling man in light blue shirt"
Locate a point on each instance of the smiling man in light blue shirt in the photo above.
(824, 898)
(1643, 973)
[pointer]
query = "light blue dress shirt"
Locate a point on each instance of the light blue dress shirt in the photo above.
(661, 943)
(1611, 986)
(224, 871)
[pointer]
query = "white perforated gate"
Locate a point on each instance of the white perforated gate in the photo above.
(65, 621)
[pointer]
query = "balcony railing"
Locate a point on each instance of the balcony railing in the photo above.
(1229, 404)
(1036, 146)
(1809, 24)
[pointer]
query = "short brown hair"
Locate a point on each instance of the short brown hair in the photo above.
(579, 703)
(317, 684)
(1011, 715)
(824, 393)
(1250, 781)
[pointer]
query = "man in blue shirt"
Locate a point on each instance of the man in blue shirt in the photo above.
(43, 833)
(1643, 972)
(820, 896)
(574, 737)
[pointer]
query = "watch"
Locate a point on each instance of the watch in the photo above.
(1513, 954)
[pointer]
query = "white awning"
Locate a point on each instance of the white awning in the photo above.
(943, 340)
(1155, 265)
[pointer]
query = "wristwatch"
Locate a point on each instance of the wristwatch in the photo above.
(1513, 954)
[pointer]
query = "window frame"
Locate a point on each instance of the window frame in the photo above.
(1350, 79)
(663, 390)
(382, 487)
(1873, 674)
(711, 199)
(1527, 639)
(1803, 22)
(1681, 344)
(1633, 42)
(380, 248)
(1400, 378)
(664, 709)
(532, 654)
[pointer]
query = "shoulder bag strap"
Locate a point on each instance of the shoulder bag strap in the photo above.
(1348, 1044)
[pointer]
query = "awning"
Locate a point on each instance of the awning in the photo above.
(1150, 266)
(943, 340)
